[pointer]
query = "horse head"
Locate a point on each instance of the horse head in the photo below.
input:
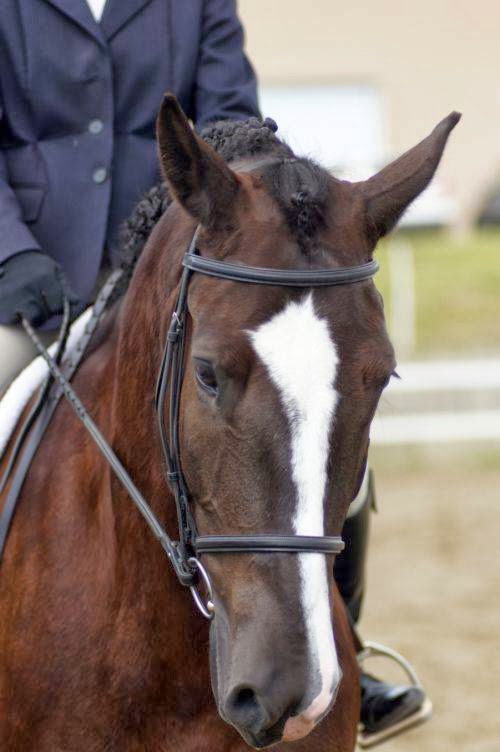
(280, 387)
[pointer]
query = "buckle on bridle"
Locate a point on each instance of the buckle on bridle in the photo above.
(174, 328)
(185, 574)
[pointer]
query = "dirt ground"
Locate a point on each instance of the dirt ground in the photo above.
(434, 588)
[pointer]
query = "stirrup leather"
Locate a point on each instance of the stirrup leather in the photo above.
(367, 739)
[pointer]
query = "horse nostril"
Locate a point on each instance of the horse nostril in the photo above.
(244, 697)
(244, 708)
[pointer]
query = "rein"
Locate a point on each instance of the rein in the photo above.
(44, 407)
(183, 554)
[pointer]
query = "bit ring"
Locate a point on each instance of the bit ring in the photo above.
(206, 608)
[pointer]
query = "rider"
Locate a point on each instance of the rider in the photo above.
(77, 151)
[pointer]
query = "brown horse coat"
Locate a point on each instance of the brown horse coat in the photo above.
(100, 648)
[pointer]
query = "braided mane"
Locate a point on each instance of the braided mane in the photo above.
(299, 186)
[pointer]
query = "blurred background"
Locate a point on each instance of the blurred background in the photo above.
(354, 85)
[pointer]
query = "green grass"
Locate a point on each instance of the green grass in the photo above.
(457, 292)
(397, 460)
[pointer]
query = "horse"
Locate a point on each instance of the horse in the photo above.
(100, 648)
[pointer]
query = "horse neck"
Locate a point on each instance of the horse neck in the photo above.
(142, 324)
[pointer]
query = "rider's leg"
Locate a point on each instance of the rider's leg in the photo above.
(17, 351)
(385, 708)
(351, 565)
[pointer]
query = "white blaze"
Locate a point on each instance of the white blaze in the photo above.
(301, 359)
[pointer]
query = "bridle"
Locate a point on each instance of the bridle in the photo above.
(171, 375)
(185, 553)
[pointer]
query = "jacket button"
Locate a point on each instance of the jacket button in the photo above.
(96, 126)
(100, 175)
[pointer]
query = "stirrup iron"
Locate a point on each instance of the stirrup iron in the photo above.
(366, 739)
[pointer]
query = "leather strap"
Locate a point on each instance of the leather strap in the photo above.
(45, 411)
(280, 277)
(218, 544)
(38, 403)
(174, 550)
(171, 378)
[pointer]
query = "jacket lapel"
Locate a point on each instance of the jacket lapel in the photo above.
(117, 13)
(79, 12)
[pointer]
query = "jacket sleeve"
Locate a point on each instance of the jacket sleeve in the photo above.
(226, 87)
(14, 233)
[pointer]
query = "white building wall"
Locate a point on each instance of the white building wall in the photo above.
(425, 59)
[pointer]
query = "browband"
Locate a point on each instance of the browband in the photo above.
(211, 544)
(280, 277)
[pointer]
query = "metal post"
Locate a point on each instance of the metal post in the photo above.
(402, 292)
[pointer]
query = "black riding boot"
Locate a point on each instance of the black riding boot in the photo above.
(386, 709)
(349, 570)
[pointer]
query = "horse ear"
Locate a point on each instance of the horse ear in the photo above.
(199, 178)
(391, 191)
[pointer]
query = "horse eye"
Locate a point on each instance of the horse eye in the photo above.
(378, 383)
(206, 378)
(385, 381)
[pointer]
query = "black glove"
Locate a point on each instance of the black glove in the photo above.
(33, 284)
